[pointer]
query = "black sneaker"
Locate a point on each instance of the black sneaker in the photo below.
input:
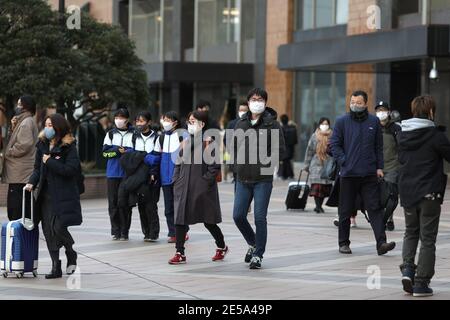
(255, 263)
(345, 250)
(408, 280)
(249, 254)
(422, 290)
(321, 210)
(390, 226)
(385, 248)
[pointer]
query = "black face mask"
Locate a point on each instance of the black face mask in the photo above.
(359, 116)
(18, 111)
(141, 129)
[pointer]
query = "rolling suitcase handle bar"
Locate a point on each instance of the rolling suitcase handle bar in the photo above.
(300, 177)
(28, 223)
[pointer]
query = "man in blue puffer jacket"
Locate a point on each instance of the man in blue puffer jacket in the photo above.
(357, 146)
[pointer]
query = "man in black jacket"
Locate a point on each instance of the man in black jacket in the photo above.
(254, 166)
(422, 183)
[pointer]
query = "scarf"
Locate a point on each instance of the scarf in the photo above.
(322, 143)
(359, 116)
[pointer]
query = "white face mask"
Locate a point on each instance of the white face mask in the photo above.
(324, 127)
(167, 125)
(193, 129)
(382, 115)
(241, 113)
(257, 107)
(120, 123)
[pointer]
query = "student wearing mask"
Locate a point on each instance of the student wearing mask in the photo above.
(196, 196)
(117, 141)
(144, 140)
(167, 148)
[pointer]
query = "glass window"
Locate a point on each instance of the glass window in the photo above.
(146, 29)
(324, 13)
(249, 19)
(321, 13)
(440, 4)
(341, 11)
(407, 6)
(307, 14)
(217, 22)
(318, 94)
(168, 29)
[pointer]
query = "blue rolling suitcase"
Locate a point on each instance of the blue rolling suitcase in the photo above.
(20, 245)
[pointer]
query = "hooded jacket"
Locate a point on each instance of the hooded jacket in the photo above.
(422, 148)
(247, 170)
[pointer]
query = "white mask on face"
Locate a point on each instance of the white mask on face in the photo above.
(241, 113)
(382, 115)
(167, 125)
(120, 123)
(257, 107)
(193, 129)
(324, 127)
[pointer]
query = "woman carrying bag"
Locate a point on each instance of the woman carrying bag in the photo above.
(56, 178)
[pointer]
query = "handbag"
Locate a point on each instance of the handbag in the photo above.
(329, 169)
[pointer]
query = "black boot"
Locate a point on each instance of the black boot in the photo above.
(56, 270)
(71, 261)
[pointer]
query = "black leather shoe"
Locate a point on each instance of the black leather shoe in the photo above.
(385, 248)
(345, 250)
(56, 270)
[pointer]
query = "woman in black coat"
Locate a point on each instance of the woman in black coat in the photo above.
(196, 196)
(55, 178)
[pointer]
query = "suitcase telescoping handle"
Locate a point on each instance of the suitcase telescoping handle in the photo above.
(28, 224)
(300, 177)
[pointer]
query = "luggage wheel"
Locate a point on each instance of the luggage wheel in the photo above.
(35, 274)
(19, 275)
(5, 275)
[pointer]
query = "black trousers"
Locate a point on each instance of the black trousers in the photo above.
(214, 229)
(56, 235)
(368, 189)
(286, 171)
(148, 213)
(14, 201)
(120, 217)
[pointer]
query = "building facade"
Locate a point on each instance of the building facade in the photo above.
(309, 54)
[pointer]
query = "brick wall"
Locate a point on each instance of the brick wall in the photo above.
(95, 186)
(280, 15)
(360, 76)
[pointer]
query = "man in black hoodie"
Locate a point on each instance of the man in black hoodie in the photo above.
(422, 183)
(254, 166)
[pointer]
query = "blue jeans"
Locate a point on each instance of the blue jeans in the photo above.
(260, 192)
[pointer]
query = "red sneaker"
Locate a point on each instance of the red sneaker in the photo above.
(187, 237)
(178, 258)
(220, 254)
(172, 240)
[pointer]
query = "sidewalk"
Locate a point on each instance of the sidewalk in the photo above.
(301, 261)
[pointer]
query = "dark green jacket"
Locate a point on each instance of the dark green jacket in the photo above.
(390, 147)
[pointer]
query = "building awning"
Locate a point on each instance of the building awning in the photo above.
(378, 47)
(199, 72)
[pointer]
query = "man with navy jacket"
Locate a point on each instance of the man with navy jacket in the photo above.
(357, 146)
